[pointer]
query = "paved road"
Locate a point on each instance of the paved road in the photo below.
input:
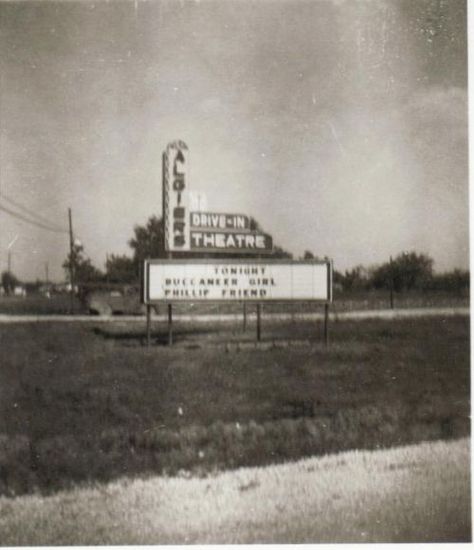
(339, 316)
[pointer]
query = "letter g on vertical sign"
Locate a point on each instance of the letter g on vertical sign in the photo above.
(176, 197)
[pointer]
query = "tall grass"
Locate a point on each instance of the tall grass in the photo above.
(63, 461)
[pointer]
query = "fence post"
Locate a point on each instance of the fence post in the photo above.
(391, 283)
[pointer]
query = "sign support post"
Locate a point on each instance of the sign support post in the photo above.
(245, 316)
(170, 325)
(148, 325)
(259, 327)
(326, 324)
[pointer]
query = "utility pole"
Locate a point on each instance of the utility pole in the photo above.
(9, 248)
(46, 272)
(71, 260)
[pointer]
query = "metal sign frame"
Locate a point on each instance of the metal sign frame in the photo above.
(256, 261)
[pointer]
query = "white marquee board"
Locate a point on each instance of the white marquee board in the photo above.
(237, 280)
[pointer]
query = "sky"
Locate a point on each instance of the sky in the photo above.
(340, 125)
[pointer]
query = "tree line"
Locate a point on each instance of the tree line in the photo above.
(407, 271)
(147, 242)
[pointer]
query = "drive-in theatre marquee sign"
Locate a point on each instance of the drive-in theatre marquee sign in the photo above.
(187, 231)
(231, 280)
(259, 280)
(236, 280)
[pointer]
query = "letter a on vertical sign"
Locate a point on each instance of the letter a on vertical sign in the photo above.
(176, 197)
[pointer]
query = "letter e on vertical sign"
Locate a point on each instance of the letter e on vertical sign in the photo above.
(176, 197)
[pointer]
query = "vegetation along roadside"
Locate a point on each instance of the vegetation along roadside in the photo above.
(78, 408)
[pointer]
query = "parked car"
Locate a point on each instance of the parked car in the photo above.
(114, 300)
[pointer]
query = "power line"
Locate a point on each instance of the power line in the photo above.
(32, 222)
(34, 215)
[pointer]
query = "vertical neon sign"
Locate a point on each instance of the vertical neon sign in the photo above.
(176, 197)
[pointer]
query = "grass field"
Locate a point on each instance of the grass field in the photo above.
(77, 407)
(410, 494)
